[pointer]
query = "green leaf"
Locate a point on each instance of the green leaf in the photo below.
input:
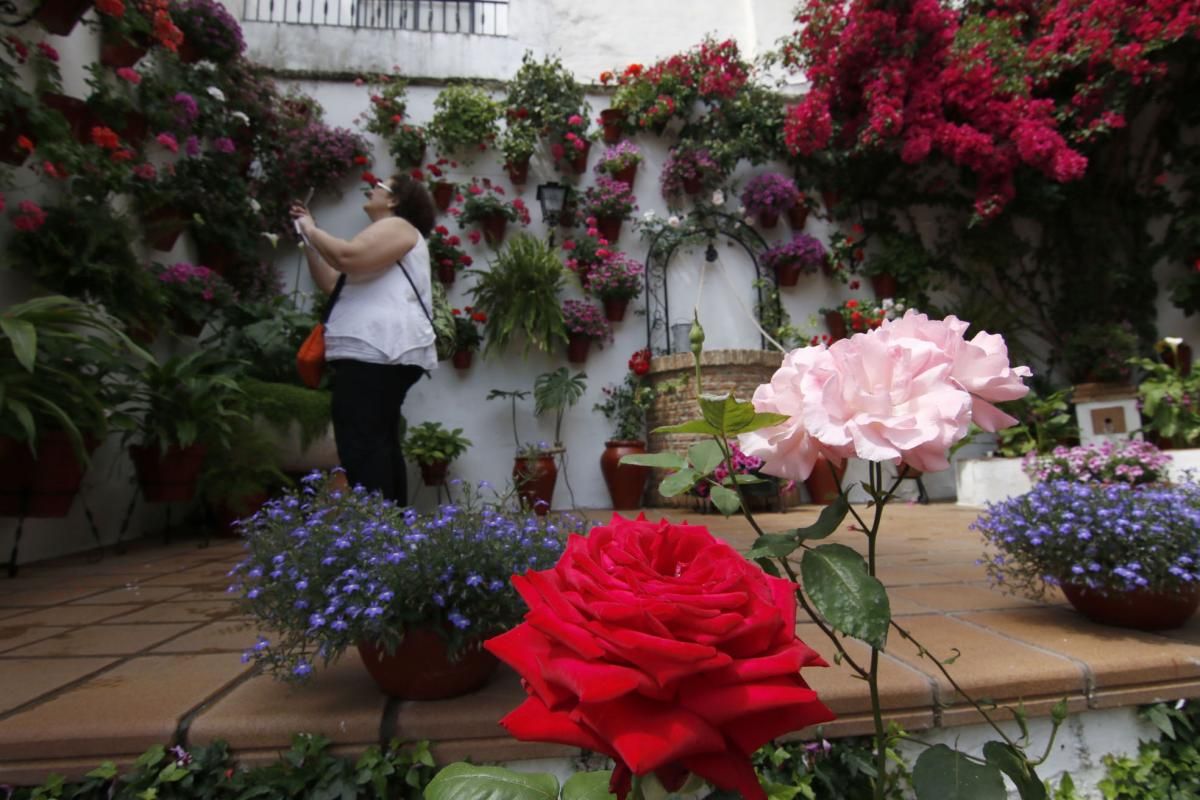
(23, 335)
(1013, 763)
(678, 482)
(587, 786)
(726, 413)
(829, 521)
(763, 419)
(705, 456)
(768, 566)
(775, 545)
(726, 500)
(691, 426)
(853, 602)
(463, 781)
(944, 774)
(660, 460)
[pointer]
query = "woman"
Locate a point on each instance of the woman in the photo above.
(378, 339)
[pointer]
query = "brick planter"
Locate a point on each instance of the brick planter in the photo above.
(739, 371)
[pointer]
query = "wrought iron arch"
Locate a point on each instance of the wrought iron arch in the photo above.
(702, 225)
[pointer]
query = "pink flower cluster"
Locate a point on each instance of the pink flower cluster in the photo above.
(197, 278)
(905, 392)
(30, 216)
(1132, 461)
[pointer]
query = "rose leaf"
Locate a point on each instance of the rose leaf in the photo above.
(853, 602)
(944, 774)
(1013, 763)
(587, 786)
(463, 781)
(726, 413)
(660, 460)
(705, 456)
(691, 426)
(726, 500)
(678, 482)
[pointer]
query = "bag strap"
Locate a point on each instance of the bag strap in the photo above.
(428, 316)
(333, 297)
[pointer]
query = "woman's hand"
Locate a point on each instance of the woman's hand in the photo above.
(302, 217)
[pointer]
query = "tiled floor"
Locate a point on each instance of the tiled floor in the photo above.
(100, 660)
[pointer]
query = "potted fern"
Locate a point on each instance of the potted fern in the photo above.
(519, 295)
(433, 447)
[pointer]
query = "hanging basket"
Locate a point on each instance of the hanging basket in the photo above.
(74, 110)
(614, 308)
(610, 228)
(767, 220)
(60, 16)
(836, 324)
(494, 227)
(117, 51)
(579, 161)
(14, 128)
(797, 216)
(788, 273)
(578, 345)
(446, 274)
(48, 482)
(163, 226)
(443, 193)
(884, 285)
(613, 120)
(518, 172)
(627, 175)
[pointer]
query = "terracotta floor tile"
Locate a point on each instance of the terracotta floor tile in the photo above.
(227, 636)
(103, 640)
(1115, 656)
(70, 615)
(134, 594)
(46, 597)
(474, 716)
(839, 687)
(500, 748)
(34, 772)
(15, 611)
(24, 679)
(207, 595)
(16, 636)
(959, 597)
(341, 702)
(171, 611)
(124, 711)
(893, 576)
(989, 665)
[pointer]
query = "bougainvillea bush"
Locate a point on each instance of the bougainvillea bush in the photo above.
(209, 29)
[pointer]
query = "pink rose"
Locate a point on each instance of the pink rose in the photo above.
(787, 449)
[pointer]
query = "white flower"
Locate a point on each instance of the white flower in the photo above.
(742, 212)
(673, 221)
(718, 198)
(887, 303)
(240, 116)
(255, 205)
(216, 94)
(1172, 341)
(273, 238)
(649, 216)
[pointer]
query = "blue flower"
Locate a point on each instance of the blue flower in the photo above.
(302, 669)
(458, 620)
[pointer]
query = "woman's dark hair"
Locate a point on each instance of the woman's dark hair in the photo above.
(411, 200)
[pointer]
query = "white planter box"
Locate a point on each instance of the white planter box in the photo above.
(980, 481)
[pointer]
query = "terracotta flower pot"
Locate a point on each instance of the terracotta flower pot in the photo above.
(434, 473)
(767, 220)
(831, 198)
(788, 274)
(41, 486)
(884, 285)
(167, 477)
(494, 227)
(462, 359)
(821, 485)
(446, 274)
(163, 226)
(236, 508)
(1142, 609)
(443, 193)
(117, 51)
(610, 228)
(580, 159)
(74, 110)
(613, 120)
(1184, 366)
(797, 216)
(420, 669)
(518, 173)
(836, 324)
(614, 308)
(626, 482)
(627, 175)
(578, 346)
(535, 479)
(60, 16)
(217, 257)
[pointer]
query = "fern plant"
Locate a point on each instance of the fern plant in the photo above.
(464, 119)
(519, 294)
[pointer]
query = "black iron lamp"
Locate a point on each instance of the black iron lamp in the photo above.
(553, 199)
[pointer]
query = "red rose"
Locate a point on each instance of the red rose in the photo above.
(663, 648)
(360, 160)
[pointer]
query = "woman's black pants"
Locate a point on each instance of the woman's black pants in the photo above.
(366, 423)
